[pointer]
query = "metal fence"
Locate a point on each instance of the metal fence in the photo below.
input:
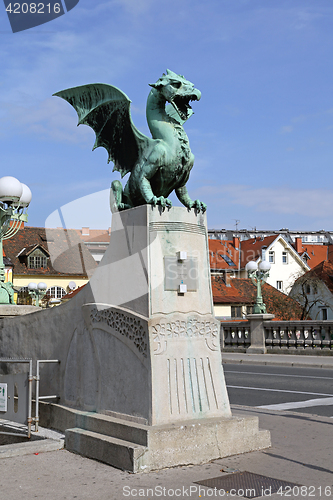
(16, 394)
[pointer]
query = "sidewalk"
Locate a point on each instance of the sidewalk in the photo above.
(279, 359)
(301, 453)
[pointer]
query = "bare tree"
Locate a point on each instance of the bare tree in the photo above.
(305, 291)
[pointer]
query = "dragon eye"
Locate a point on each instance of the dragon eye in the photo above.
(177, 85)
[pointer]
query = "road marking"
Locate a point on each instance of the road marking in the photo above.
(277, 390)
(276, 374)
(299, 404)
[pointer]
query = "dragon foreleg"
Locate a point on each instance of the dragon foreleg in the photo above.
(149, 197)
(184, 198)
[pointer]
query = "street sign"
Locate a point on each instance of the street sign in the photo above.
(3, 397)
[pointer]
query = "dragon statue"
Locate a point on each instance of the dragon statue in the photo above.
(157, 165)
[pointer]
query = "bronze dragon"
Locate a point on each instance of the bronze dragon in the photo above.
(157, 165)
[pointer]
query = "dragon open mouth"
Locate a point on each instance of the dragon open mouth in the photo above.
(182, 105)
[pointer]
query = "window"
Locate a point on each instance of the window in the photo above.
(308, 289)
(37, 262)
(279, 285)
(228, 260)
(271, 257)
(324, 314)
(284, 257)
(249, 309)
(236, 311)
(56, 292)
(23, 296)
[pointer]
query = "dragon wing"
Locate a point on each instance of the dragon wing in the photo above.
(106, 110)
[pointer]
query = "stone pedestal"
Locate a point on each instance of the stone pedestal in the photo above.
(258, 345)
(166, 358)
(139, 379)
(152, 325)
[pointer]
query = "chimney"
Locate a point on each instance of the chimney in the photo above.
(109, 230)
(235, 242)
(21, 224)
(330, 253)
(85, 231)
(227, 278)
(298, 245)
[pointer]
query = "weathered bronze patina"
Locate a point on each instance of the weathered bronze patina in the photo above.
(157, 166)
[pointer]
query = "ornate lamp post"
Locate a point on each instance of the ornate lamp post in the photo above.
(37, 291)
(258, 275)
(14, 199)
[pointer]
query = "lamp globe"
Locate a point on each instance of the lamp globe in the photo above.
(264, 265)
(10, 189)
(26, 196)
(251, 266)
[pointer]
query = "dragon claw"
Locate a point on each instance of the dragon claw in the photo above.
(164, 202)
(199, 205)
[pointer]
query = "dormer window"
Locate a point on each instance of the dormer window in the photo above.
(34, 257)
(37, 261)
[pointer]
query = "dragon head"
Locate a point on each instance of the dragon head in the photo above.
(177, 91)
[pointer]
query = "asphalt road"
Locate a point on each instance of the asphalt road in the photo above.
(305, 390)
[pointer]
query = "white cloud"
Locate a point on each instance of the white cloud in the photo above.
(287, 129)
(313, 203)
(91, 211)
(134, 7)
(49, 119)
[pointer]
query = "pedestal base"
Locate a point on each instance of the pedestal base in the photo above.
(141, 448)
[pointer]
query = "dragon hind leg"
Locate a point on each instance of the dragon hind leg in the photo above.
(116, 197)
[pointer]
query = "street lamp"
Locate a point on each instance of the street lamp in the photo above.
(37, 291)
(258, 276)
(14, 200)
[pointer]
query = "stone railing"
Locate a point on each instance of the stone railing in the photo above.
(258, 334)
(235, 335)
(299, 334)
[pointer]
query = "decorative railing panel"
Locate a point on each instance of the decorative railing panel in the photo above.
(235, 334)
(284, 335)
(299, 334)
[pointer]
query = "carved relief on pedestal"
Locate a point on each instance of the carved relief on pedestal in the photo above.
(194, 328)
(128, 328)
(188, 362)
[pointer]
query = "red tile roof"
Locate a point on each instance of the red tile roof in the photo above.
(317, 253)
(223, 254)
(69, 256)
(72, 294)
(251, 249)
(95, 235)
(323, 271)
(242, 292)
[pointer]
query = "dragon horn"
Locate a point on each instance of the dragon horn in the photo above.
(171, 73)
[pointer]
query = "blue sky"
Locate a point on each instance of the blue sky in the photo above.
(262, 133)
